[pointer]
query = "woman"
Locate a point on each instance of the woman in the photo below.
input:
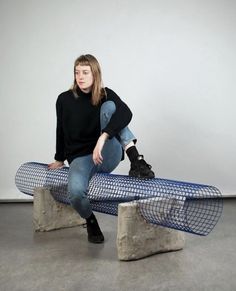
(92, 134)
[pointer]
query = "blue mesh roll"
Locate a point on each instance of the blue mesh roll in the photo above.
(189, 207)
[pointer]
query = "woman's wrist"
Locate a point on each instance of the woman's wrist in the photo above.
(104, 136)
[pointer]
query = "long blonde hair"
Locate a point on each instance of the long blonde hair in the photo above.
(98, 91)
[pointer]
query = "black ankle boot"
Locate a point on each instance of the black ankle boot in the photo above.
(140, 169)
(94, 232)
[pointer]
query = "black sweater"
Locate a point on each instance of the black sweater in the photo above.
(78, 123)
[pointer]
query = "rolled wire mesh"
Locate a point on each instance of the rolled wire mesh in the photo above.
(189, 207)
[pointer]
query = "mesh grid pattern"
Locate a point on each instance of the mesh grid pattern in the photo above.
(189, 207)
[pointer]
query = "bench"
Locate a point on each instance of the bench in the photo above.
(152, 213)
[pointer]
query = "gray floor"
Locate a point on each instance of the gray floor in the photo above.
(64, 260)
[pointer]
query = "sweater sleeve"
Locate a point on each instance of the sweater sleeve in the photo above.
(60, 146)
(121, 117)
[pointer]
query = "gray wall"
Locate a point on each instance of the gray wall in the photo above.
(173, 62)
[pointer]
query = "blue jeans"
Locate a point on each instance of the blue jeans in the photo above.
(83, 168)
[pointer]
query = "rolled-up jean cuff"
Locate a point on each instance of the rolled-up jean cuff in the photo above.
(126, 143)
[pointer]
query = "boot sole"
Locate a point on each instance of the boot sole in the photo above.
(96, 241)
(140, 176)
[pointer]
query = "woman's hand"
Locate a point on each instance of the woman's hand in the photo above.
(56, 165)
(97, 152)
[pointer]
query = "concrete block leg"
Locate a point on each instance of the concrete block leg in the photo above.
(49, 214)
(137, 239)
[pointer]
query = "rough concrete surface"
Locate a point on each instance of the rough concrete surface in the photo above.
(49, 214)
(138, 239)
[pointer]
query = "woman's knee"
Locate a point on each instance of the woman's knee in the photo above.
(108, 108)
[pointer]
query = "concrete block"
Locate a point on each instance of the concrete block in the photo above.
(49, 214)
(137, 239)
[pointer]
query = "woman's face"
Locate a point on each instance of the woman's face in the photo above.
(84, 78)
